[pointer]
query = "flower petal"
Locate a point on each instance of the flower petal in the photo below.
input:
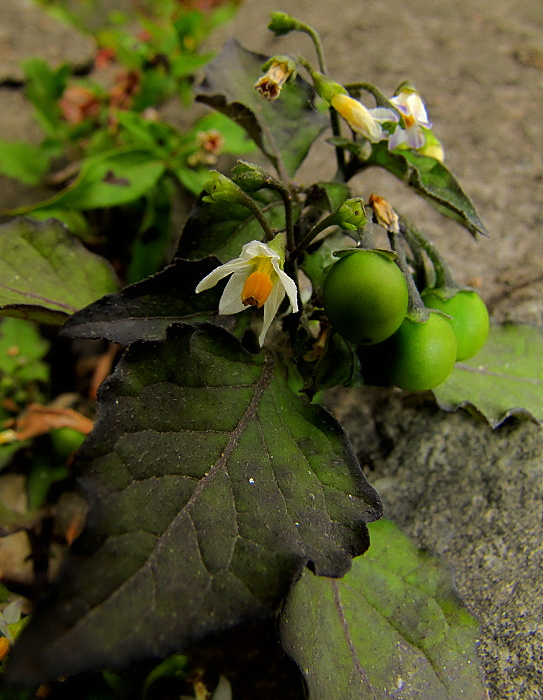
(415, 137)
(220, 272)
(256, 249)
(397, 138)
(230, 302)
(271, 307)
(290, 288)
(384, 114)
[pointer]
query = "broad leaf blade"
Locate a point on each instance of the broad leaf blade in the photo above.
(392, 627)
(433, 181)
(144, 310)
(283, 129)
(211, 486)
(46, 274)
(221, 229)
(504, 379)
(107, 180)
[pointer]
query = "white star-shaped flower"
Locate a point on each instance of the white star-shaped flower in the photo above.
(257, 280)
(413, 111)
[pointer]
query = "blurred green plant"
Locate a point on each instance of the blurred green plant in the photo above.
(106, 146)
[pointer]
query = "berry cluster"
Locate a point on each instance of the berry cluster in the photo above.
(366, 299)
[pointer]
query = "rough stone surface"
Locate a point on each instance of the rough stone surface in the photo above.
(27, 31)
(464, 491)
(474, 496)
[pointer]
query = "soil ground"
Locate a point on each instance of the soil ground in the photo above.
(461, 490)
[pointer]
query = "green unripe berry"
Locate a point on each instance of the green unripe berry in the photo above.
(469, 319)
(419, 356)
(365, 296)
(66, 441)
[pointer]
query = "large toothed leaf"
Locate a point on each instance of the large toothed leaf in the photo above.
(283, 129)
(46, 274)
(504, 379)
(393, 627)
(431, 179)
(211, 486)
(221, 228)
(144, 310)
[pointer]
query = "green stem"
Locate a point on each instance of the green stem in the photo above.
(334, 118)
(381, 100)
(416, 308)
(444, 278)
(257, 211)
(329, 220)
(286, 196)
(315, 38)
(336, 131)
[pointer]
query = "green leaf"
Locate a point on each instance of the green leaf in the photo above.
(146, 309)
(221, 228)
(235, 138)
(504, 379)
(337, 366)
(175, 666)
(149, 250)
(393, 627)
(211, 485)
(46, 274)
(284, 129)
(432, 180)
(44, 87)
(75, 221)
(107, 180)
(21, 350)
(23, 161)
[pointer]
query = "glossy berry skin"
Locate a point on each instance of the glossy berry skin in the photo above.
(419, 356)
(469, 319)
(66, 440)
(365, 297)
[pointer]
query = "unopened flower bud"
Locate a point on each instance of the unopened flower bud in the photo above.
(221, 189)
(249, 177)
(281, 23)
(278, 69)
(350, 215)
(384, 213)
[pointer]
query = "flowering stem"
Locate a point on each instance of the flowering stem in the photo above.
(334, 118)
(316, 42)
(380, 99)
(286, 196)
(314, 231)
(257, 211)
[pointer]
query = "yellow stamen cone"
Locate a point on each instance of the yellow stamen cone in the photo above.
(256, 289)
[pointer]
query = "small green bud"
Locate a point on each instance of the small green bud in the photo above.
(350, 215)
(221, 189)
(281, 23)
(405, 86)
(249, 177)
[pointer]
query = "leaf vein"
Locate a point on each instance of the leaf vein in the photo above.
(347, 634)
